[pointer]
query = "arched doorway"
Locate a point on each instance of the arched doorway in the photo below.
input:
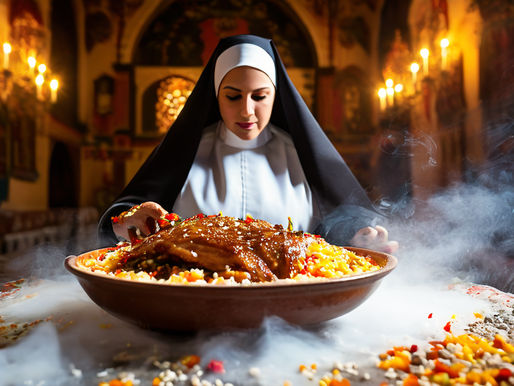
(62, 185)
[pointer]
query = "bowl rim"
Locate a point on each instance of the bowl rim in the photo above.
(70, 264)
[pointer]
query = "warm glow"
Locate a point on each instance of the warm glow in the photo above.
(424, 52)
(445, 43)
(40, 79)
(31, 61)
(54, 84)
(382, 93)
(389, 83)
(414, 67)
(398, 87)
(390, 91)
(7, 48)
(41, 68)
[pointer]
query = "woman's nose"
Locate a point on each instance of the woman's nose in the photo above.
(247, 109)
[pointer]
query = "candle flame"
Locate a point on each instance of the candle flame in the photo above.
(424, 52)
(54, 84)
(398, 87)
(31, 61)
(445, 43)
(40, 79)
(414, 67)
(389, 83)
(382, 93)
(7, 48)
(41, 68)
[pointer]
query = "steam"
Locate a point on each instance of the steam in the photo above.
(448, 240)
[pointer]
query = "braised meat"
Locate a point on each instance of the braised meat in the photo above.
(227, 245)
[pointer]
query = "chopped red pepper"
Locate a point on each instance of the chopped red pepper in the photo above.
(249, 219)
(172, 217)
(447, 327)
(413, 348)
(430, 316)
(504, 374)
(216, 366)
(190, 360)
(115, 219)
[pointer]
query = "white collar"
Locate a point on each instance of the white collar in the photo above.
(231, 139)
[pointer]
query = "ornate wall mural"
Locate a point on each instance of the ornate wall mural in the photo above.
(106, 17)
(186, 33)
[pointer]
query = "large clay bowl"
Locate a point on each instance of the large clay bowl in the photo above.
(195, 307)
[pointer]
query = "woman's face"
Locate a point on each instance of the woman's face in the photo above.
(245, 100)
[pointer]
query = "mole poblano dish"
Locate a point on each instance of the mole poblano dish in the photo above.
(223, 250)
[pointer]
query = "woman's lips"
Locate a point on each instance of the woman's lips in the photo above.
(245, 125)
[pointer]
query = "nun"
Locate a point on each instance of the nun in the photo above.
(245, 143)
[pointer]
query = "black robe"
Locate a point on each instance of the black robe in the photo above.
(343, 204)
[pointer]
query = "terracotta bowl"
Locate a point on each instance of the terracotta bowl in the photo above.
(194, 307)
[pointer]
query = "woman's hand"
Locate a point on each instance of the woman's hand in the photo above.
(142, 217)
(376, 238)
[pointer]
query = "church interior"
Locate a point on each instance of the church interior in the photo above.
(417, 96)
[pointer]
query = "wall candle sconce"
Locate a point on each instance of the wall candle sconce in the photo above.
(26, 73)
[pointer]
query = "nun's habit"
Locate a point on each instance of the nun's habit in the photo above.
(325, 196)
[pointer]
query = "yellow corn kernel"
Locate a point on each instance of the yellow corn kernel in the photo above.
(488, 378)
(473, 377)
(336, 372)
(468, 354)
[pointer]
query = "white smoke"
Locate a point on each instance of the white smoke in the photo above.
(458, 229)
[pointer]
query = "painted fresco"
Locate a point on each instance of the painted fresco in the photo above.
(186, 33)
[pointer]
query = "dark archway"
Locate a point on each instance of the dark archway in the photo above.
(62, 184)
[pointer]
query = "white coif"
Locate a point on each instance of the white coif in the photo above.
(261, 177)
(244, 55)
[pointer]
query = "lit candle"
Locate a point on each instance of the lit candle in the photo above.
(390, 96)
(398, 88)
(424, 54)
(7, 50)
(54, 85)
(389, 91)
(40, 79)
(444, 52)
(32, 64)
(414, 68)
(41, 68)
(382, 96)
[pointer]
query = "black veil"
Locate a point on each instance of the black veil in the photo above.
(163, 174)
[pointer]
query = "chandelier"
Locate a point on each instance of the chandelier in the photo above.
(405, 73)
(22, 69)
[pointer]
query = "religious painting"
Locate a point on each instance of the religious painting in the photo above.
(186, 33)
(352, 106)
(22, 128)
